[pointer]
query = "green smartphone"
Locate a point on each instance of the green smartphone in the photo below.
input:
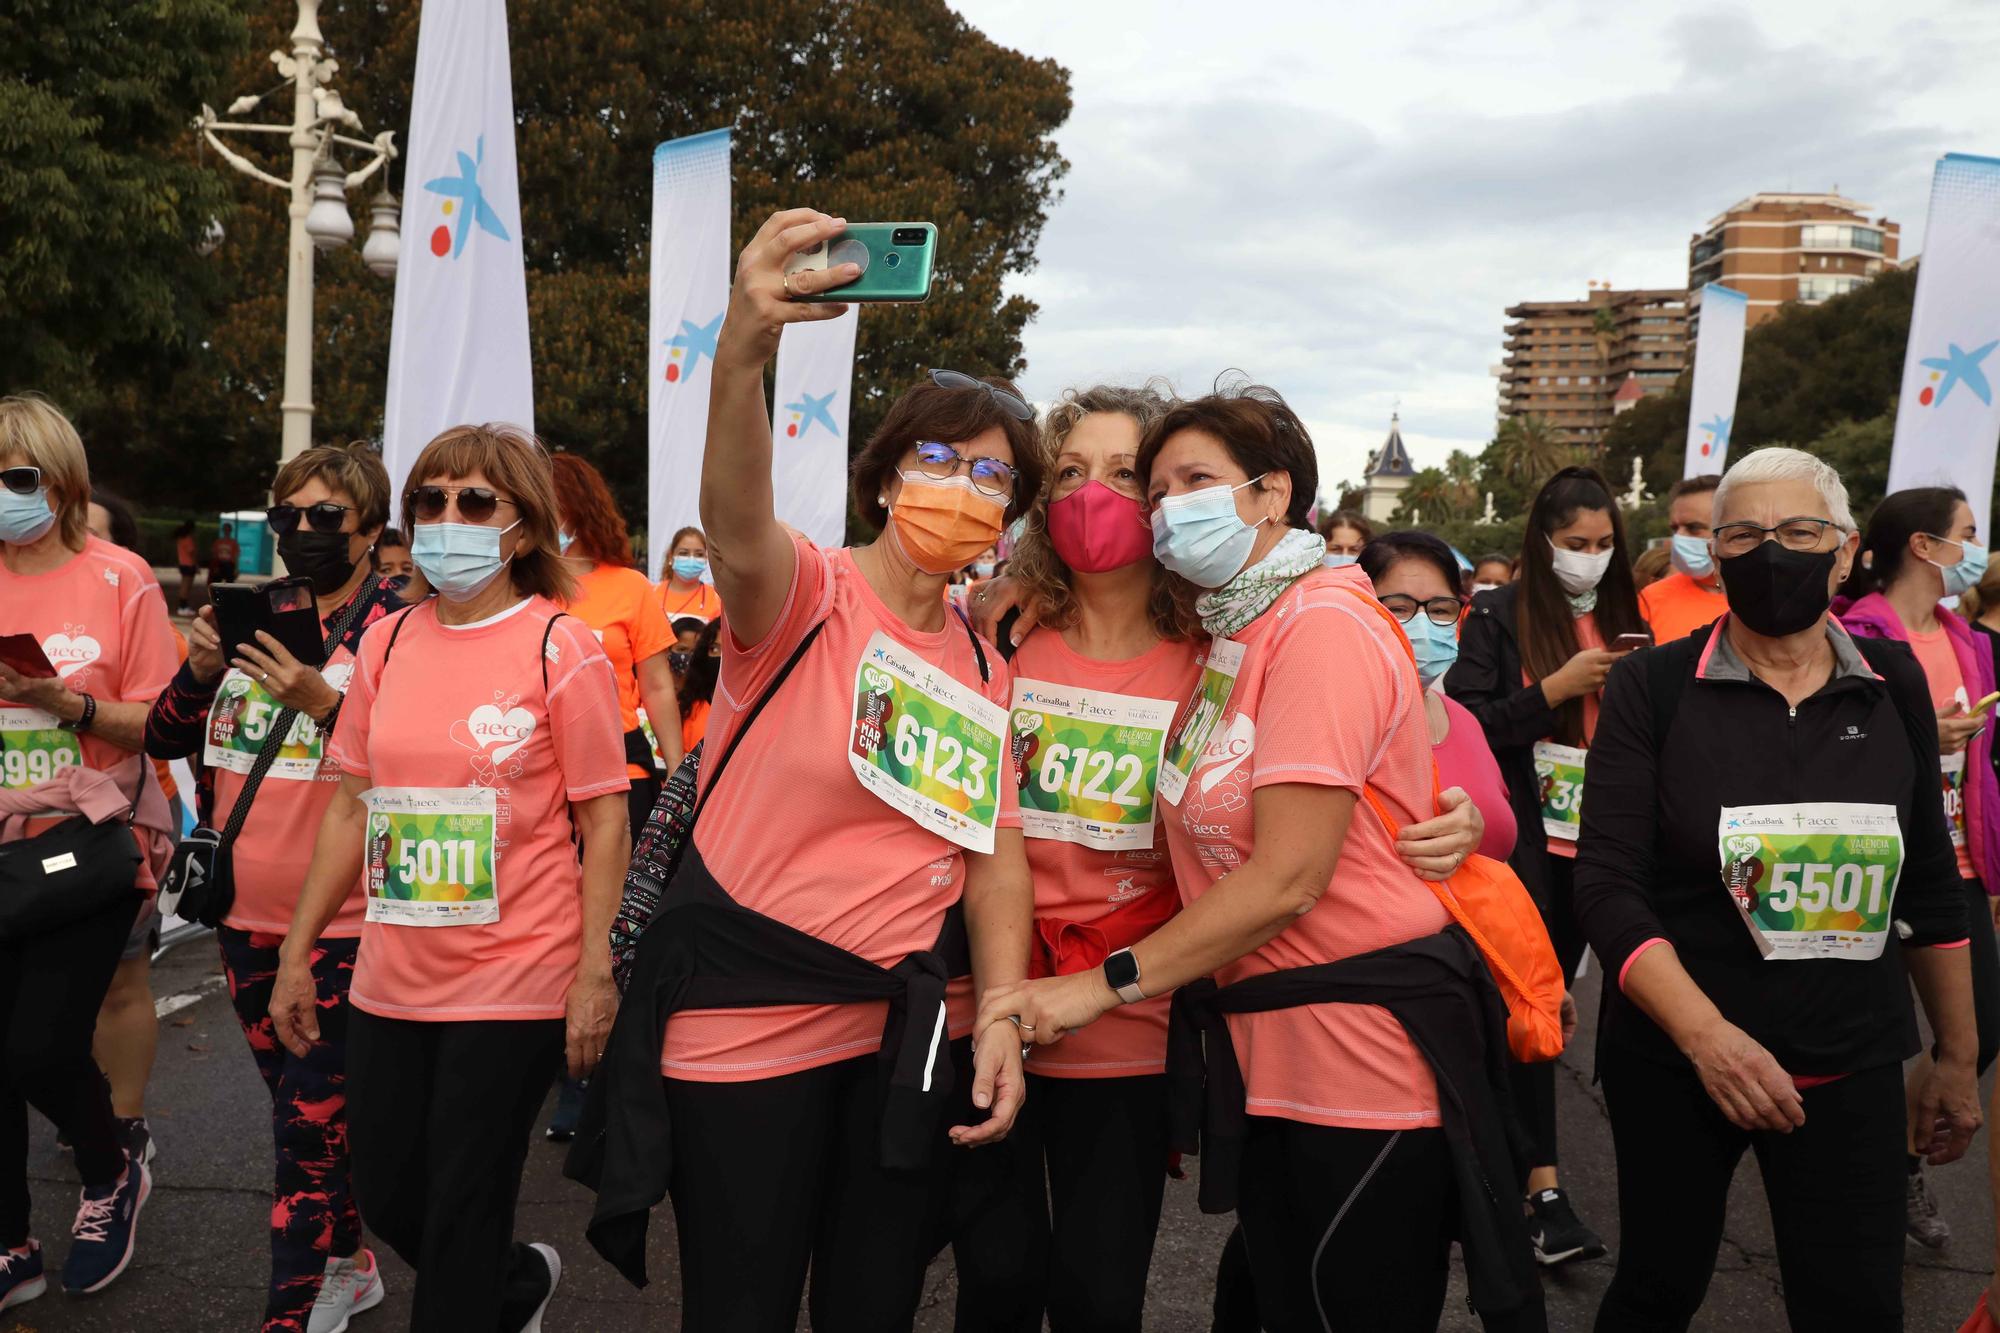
(896, 258)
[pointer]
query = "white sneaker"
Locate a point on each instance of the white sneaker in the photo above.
(554, 1261)
(349, 1287)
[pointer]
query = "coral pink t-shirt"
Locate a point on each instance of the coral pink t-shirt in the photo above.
(1465, 760)
(1947, 682)
(1082, 884)
(794, 835)
(1346, 1065)
(102, 622)
(413, 723)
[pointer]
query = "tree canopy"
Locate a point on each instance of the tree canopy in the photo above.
(878, 109)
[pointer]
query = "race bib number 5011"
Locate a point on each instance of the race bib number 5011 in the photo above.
(927, 745)
(429, 856)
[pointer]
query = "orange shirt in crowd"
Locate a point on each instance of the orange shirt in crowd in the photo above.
(1346, 1065)
(184, 550)
(464, 706)
(618, 605)
(695, 725)
(1079, 883)
(1947, 682)
(1676, 606)
(702, 601)
(848, 868)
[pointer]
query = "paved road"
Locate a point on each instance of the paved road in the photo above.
(201, 1263)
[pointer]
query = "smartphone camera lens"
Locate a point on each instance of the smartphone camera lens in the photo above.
(910, 236)
(893, 258)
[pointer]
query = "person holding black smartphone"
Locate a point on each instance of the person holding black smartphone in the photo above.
(1532, 660)
(219, 710)
(94, 648)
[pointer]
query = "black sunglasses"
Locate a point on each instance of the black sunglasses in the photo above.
(475, 503)
(1010, 403)
(21, 480)
(326, 516)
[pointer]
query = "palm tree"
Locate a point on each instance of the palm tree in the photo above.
(1602, 332)
(1529, 449)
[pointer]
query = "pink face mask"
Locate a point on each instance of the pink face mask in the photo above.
(1095, 529)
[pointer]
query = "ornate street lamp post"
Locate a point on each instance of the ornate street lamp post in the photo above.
(318, 193)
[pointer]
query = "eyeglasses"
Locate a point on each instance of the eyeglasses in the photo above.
(475, 503)
(1440, 610)
(326, 516)
(989, 476)
(1794, 534)
(21, 480)
(1010, 403)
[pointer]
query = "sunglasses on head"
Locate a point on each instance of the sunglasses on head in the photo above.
(21, 480)
(1010, 403)
(326, 516)
(475, 503)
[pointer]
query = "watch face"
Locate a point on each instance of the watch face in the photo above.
(1121, 969)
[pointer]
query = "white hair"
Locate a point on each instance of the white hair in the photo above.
(1777, 463)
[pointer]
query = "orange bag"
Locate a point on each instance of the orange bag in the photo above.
(1487, 898)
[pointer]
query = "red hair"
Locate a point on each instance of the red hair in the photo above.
(590, 516)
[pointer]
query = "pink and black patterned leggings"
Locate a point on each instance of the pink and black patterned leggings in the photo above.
(312, 1200)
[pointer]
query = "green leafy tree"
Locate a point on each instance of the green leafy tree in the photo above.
(102, 198)
(878, 109)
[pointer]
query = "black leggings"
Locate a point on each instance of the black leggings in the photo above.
(1347, 1228)
(1835, 1187)
(1534, 1085)
(778, 1176)
(1061, 1217)
(1985, 970)
(51, 987)
(438, 1116)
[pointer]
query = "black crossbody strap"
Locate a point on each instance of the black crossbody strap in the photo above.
(715, 774)
(281, 725)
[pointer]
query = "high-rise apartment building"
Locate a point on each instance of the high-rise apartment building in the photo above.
(1567, 361)
(1776, 248)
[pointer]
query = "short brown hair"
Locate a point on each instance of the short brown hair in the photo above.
(597, 530)
(1700, 485)
(1261, 433)
(1044, 578)
(36, 429)
(516, 463)
(943, 416)
(353, 468)
(1346, 518)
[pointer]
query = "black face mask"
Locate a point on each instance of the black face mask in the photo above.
(320, 556)
(1775, 591)
(677, 660)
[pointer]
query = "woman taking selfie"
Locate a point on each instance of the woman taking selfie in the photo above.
(882, 758)
(478, 746)
(1260, 787)
(222, 706)
(1531, 663)
(1922, 546)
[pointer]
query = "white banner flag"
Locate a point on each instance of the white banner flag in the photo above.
(458, 347)
(1718, 365)
(690, 288)
(1948, 416)
(809, 426)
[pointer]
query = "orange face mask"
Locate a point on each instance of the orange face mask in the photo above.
(942, 525)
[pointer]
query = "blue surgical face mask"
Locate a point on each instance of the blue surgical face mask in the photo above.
(1201, 537)
(459, 559)
(1964, 576)
(1692, 557)
(24, 518)
(1436, 647)
(690, 568)
(1339, 560)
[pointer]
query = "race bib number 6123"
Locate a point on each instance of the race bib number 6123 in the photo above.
(927, 745)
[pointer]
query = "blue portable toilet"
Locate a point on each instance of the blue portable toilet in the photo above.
(253, 535)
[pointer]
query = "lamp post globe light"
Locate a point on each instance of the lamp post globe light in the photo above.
(318, 194)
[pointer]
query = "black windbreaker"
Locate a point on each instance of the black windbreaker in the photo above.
(1648, 865)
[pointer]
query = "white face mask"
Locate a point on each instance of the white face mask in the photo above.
(1484, 587)
(1580, 571)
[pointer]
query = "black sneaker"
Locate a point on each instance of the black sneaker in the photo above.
(137, 1137)
(1559, 1234)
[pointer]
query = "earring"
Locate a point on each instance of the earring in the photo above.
(882, 500)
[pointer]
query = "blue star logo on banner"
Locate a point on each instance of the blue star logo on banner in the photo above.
(462, 193)
(686, 348)
(1719, 428)
(809, 410)
(1958, 366)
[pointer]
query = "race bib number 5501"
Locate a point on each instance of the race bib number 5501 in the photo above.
(927, 745)
(1813, 880)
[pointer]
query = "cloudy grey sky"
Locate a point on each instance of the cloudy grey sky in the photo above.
(1342, 198)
